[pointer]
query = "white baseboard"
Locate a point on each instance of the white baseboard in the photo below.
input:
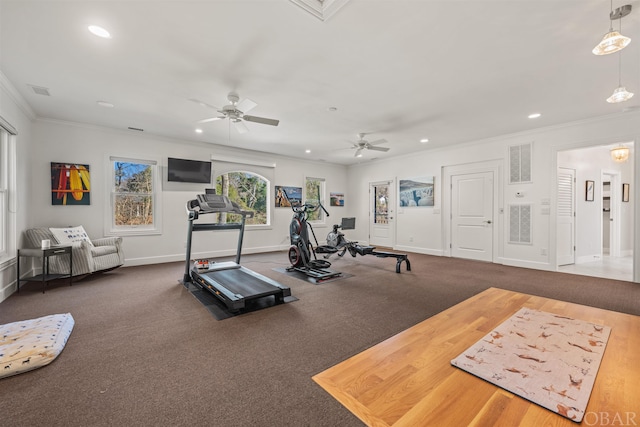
(588, 258)
(534, 265)
(417, 250)
(131, 262)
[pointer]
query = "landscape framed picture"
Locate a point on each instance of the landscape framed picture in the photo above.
(417, 192)
(336, 199)
(285, 196)
(70, 184)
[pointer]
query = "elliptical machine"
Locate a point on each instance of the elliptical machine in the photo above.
(302, 254)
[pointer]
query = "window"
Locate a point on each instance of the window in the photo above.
(250, 191)
(135, 197)
(314, 190)
(3, 192)
(7, 191)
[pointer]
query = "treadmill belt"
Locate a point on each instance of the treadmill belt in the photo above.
(240, 282)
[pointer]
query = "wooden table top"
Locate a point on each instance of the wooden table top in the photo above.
(408, 380)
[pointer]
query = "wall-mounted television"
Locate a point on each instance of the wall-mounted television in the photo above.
(184, 170)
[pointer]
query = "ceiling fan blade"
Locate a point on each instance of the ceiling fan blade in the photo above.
(379, 141)
(262, 120)
(204, 104)
(378, 148)
(358, 152)
(245, 105)
(240, 127)
(211, 119)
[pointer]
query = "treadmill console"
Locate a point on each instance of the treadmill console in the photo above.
(214, 203)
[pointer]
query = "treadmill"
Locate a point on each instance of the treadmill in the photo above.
(230, 282)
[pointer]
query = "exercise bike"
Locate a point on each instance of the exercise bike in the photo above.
(302, 254)
(337, 241)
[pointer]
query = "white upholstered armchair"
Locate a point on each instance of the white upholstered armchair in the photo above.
(89, 256)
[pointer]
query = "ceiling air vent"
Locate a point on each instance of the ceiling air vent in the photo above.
(39, 90)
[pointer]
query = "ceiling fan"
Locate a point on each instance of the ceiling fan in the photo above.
(236, 112)
(363, 144)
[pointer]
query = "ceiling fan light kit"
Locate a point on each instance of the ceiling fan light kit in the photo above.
(362, 144)
(236, 113)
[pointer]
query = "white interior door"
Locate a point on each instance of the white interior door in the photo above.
(565, 244)
(613, 228)
(382, 217)
(472, 216)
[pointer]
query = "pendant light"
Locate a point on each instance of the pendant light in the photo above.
(620, 94)
(613, 41)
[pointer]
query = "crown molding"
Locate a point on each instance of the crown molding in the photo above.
(15, 96)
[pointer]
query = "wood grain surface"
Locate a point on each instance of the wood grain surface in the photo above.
(408, 380)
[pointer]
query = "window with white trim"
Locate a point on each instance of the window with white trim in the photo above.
(8, 191)
(250, 191)
(135, 196)
(4, 191)
(313, 192)
(251, 186)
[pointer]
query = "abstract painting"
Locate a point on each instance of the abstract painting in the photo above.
(70, 184)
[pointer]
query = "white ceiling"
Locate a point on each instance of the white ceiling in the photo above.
(451, 71)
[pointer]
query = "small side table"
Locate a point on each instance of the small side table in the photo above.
(44, 254)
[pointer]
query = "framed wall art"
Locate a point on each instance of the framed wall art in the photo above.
(70, 184)
(625, 192)
(589, 191)
(417, 191)
(287, 195)
(336, 199)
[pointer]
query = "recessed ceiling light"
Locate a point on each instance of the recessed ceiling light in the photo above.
(307, 151)
(99, 31)
(104, 104)
(424, 140)
(534, 115)
(198, 130)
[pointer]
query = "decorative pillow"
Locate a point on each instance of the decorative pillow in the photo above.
(65, 236)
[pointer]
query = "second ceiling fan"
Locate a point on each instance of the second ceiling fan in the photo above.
(363, 144)
(236, 112)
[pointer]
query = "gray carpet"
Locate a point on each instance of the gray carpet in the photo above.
(145, 352)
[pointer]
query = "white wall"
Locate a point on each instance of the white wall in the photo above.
(44, 141)
(75, 143)
(426, 224)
